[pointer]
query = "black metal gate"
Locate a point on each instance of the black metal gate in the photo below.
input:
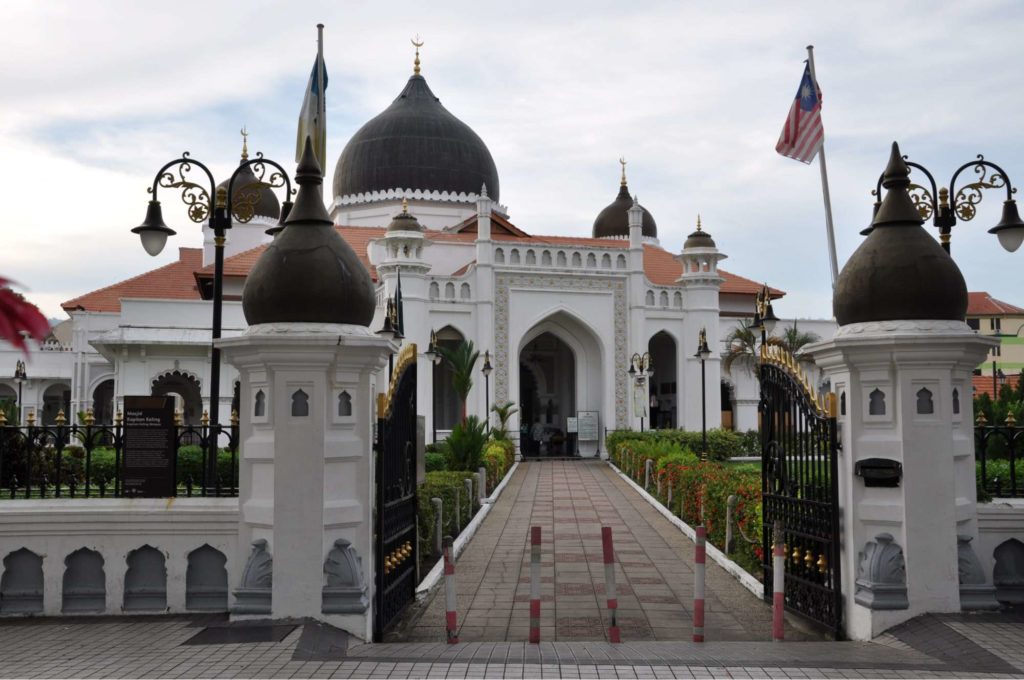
(396, 549)
(799, 462)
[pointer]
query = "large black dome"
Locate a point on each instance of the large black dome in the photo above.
(613, 221)
(415, 144)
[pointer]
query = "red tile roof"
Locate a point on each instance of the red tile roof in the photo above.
(174, 281)
(982, 384)
(983, 304)
(179, 280)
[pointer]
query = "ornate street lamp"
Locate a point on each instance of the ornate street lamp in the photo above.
(703, 352)
(238, 202)
(20, 377)
(640, 369)
(389, 331)
(764, 315)
(936, 204)
(486, 370)
(435, 358)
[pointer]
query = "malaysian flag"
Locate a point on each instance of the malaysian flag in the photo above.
(802, 135)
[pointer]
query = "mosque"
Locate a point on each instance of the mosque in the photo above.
(417, 195)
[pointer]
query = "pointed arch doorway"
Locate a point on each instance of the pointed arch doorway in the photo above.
(547, 395)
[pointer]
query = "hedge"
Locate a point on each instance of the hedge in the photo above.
(722, 444)
(443, 485)
(680, 470)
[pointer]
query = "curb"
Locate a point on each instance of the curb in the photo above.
(735, 570)
(433, 577)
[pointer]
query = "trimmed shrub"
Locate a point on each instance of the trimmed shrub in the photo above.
(443, 485)
(435, 461)
(496, 460)
(722, 444)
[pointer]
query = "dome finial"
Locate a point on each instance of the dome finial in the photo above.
(245, 144)
(622, 162)
(405, 206)
(417, 43)
(698, 223)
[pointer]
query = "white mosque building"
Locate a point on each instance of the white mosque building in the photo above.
(417, 195)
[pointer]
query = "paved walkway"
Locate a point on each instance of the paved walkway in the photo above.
(571, 501)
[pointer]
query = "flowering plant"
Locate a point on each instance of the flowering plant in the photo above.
(19, 317)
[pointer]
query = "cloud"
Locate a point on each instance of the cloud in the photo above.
(693, 95)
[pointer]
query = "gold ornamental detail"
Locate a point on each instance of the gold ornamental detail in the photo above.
(777, 355)
(406, 360)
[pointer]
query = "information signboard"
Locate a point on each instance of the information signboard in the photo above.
(571, 425)
(147, 467)
(587, 424)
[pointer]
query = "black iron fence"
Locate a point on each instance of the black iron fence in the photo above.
(87, 461)
(999, 450)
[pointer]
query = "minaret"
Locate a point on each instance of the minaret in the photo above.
(700, 282)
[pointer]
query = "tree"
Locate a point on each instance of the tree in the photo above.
(744, 347)
(462, 360)
(504, 412)
(793, 339)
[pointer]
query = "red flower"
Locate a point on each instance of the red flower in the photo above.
(17, 316)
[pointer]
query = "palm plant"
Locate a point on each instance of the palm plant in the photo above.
(461, 359)
(742, 347)
(793, 339)
(504, 412)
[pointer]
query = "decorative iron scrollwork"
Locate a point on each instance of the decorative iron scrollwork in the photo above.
(967, 198)
(245, 198)
(922, 200)
(194, 196)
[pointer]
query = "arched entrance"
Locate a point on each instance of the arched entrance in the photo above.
(56, 398)
(447, 405)
(547, 394)
(103, 402)
(663, 385)
(185, 389)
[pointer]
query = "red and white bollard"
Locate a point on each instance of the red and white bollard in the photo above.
(698, 584)
(778, 584)
(609, 584)
(450, 623)
(535, 585)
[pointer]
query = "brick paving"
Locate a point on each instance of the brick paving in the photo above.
(571, 501)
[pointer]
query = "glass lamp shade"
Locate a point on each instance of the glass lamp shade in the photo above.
(153, 232)
(487, 368)
(1010, 229)
(769, 320)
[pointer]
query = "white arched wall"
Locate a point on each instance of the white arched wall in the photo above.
(592, 383)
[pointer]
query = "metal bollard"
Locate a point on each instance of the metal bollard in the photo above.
(778, 584)
(648, 466)
(535, 585)
(730, 506)
(458, 515)
(609, 584)
(698, 584)
(482, 473)
(469, 495)
(450, 622)
(438, 524)
(657, 483)
(668, 503)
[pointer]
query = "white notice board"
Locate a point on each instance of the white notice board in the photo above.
(587, 424)
(571, 425)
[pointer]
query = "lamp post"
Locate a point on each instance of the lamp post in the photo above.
(936, 204)
(764, 315)
(435, 359)
(640, 370)
(389, 331)
(486, 370)
(20, 376)
(703, 352)
(218, 206)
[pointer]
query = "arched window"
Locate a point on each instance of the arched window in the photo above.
(925, 405)
(545, 258)
(956, 401)
(145, 582)
(344, 404)
(300, 404)
(531, 257)
(577, 260)
(499, 256)
(435, 290)
(560, 260)
(606, 261)
(649, 300)
(592, 261)
(620, 262)
(677, 300)
(449, 291)
(876, 403)
(663, 298)
(206, 580)
(259, 408)
(464, 291)
(514, 257)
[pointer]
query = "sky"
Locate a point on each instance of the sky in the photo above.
(95, 97)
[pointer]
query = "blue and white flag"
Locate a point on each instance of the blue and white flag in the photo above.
(312, 118)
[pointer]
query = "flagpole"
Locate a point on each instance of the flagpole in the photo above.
(830, 231)
(321, 100)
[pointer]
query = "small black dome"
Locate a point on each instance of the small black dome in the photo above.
(265, 203)
(415, 144)
(308, 273)
(699, 238)
(403, 221)
(899, 271)
(613, 221)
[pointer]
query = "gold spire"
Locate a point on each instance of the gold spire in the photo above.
(698, 222)
(405, 206)
(622, 162)
(245, 144)
(417, 43)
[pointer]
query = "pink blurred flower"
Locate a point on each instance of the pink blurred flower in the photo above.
(19, 316)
